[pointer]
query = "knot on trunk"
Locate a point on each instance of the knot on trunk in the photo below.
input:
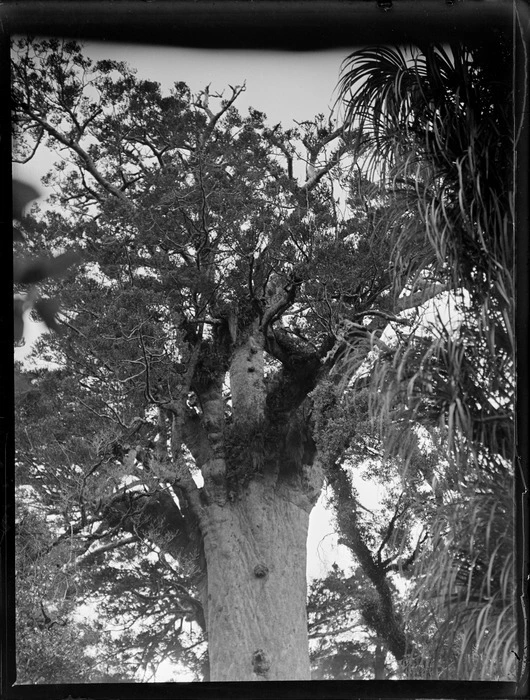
(260, 571)
(260, 662)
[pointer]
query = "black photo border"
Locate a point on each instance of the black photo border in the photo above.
(297, 25)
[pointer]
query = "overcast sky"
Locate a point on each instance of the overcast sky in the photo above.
(284, 85)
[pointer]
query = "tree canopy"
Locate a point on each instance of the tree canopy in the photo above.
(259, 312)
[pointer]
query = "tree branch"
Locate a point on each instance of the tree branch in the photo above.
(154, 517)
(279, 304)
(214, 118)
(424, 295)
(183, 479)
(315, 173)
(83, 155)
(89, 556)
(390, 528)
(214, 468)
(383, 620)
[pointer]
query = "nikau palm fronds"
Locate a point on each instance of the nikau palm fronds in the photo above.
(434, 130)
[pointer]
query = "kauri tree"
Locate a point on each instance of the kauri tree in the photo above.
(193, 402)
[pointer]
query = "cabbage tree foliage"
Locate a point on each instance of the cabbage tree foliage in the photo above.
(436, 124)
(198, 393)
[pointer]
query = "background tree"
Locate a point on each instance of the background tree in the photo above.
(195, 400)
(47, 610)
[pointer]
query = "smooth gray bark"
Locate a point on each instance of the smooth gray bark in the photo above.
(255, 550)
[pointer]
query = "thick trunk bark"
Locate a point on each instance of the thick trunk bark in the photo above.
(260, 484)
(246, 381)
(255, 549)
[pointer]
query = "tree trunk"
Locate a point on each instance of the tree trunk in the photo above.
(255, 549)
(260, 484)
(379, 662)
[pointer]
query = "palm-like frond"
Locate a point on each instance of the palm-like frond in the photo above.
(435, 127)
(430, 126)
(438, 134)
(465, 604)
